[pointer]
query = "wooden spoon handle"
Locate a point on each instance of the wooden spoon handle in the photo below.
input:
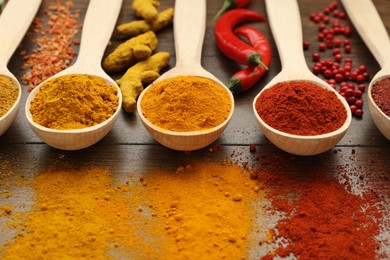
(14, 22)
(189, 29)
(368, 23)
(285, 23)
(98, 26)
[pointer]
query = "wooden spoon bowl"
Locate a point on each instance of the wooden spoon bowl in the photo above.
(285, 24)
(99, 23)
(14, 27)
(381, 120)
(368, 23)
(189, 29)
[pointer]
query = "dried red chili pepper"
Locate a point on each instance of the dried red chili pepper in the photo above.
(246, 78)
(230, 4)
(229, 43)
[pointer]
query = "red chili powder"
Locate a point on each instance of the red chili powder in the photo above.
(301, 108)
(380, 93)
(321, 219)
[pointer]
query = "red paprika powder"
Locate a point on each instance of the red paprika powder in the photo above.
(380, 93)
(321, 218)
(301, 108)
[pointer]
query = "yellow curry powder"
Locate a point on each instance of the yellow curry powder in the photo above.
(73, 102)
(202, 209)
(9, 93)
(186, 103)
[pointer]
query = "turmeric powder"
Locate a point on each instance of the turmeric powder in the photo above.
(130, 52)
(144, 72)
(146, 9)
(73, 102)
(87, 212)
(78, 214)
(9, 93)
(137, 27)
(201, 215)
(5, 210)
(186, 103)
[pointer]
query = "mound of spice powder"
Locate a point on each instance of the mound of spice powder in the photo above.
(74, 101)
(301, 108)
(186, 103)
(9, 93)
(380, 92)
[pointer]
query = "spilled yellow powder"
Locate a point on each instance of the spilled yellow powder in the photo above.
(77, 214)
(5, 210)
(204, 209)
(207, 209)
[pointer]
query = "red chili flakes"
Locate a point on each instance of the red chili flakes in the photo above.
(54, 41)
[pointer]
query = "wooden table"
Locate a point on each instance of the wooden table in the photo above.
(128, 146)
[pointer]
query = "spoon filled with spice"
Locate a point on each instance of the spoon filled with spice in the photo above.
(78, 106)
(186, 108)
(14, 22)
(368, 23)
(296, 110)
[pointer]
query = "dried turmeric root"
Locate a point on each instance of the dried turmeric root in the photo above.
(130, 52)
(146, 9)
(142, 73)
(137, 27)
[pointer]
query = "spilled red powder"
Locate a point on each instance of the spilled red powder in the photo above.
(320, 217)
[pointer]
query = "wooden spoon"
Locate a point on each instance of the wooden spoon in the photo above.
(14, 22)
(189, 29)
(368, 23)
(98, 26)
(284, 19)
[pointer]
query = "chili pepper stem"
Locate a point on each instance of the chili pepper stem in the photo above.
(2, 5)
(227, 4)
(254, 59)
(235, 85)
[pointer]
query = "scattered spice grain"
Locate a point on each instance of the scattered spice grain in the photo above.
(5, 210)
(54, 39)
